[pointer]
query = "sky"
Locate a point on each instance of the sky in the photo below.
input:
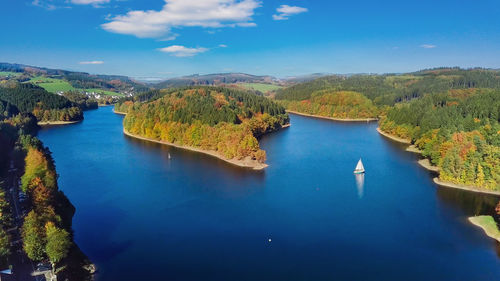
(169, 38)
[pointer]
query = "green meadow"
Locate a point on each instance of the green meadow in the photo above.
(8, 73)
(260, 87)
(55, 85)
(104, 92)
(52, 85)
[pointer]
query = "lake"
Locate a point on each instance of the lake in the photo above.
(143, 216)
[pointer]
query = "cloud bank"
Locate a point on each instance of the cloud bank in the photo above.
(179, 13)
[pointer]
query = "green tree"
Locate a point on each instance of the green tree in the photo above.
(33, 237)
(58, 243)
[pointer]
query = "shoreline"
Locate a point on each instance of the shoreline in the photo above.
(465, 187)
(47, 123)
(425, 163)
(394, 138)
(241, 163)
(414, 149)
(118, 112)
(486, 226)
(333, 118)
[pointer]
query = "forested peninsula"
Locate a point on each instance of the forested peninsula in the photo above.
(450, 115)
(222, 122)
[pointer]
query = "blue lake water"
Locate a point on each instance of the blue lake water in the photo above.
(142, 216)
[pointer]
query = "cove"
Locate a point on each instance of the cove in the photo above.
(143, 216)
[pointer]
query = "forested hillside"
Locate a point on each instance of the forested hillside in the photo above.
(45, 106)
(335, 104)
(458, 130)
(57, 80)
(226, 121)
(389, 89)
(45, 231)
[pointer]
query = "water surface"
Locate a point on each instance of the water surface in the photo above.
(142, 216)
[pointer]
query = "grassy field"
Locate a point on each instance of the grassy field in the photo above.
(488, 224)
(260, 87)
(104, 92)
(8, 73)
(55, 85)
(52, 85)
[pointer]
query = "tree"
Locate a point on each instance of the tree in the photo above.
(4, 244)
(479, 175)
(33, 237)
(58, 243)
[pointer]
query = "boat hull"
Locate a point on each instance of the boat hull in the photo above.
(359, 172)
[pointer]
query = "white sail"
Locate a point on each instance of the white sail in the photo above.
(360, 166)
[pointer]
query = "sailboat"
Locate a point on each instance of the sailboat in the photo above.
(359, 168)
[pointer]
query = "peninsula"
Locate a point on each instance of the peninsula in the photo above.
(221, 122)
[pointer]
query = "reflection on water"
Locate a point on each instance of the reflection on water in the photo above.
(471, 203)
(360, 182)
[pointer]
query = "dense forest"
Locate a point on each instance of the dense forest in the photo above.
(458, 130)
(226, 121)
(335, 104)
(389, 89)
(45, 106)
(46, 229)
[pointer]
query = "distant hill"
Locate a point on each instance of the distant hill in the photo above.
(214, 79)
(389, 89)
(57, 80)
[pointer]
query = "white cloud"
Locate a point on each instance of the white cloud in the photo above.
(170, 37)
(222, 46)
(92, 62)
(181, 51)
(428, 46)
(89, 2)
(57, 4)
(178, 13)
(285, 11)
(48, 5)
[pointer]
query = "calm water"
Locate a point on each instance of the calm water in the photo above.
(141, 216)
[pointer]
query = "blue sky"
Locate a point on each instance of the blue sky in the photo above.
(167, 38)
